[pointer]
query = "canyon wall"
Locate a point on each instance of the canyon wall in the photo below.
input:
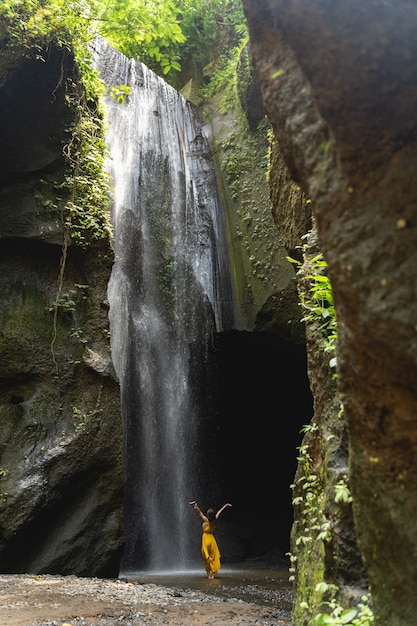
(339, 86)
(61, 478)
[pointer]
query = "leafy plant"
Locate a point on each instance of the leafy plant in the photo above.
(119, 92)
(86, 215)
(308, 498)
(210, 25)
(148, 30)
(67, 301)
(362, 615)
(318, 304)
(80, 418)
(158, 32)
(342, 492)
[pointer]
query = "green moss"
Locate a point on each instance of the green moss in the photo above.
(258, 257)
(308, 532)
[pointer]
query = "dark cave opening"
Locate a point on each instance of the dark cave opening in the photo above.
(264, 399)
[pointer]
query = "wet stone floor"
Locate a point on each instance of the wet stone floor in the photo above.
(239, 596)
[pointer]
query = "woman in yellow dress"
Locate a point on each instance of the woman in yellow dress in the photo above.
(209, 547)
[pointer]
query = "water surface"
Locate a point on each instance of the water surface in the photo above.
(251, 582)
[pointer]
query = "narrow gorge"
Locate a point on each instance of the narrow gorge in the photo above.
(160, 249)
(220, 385)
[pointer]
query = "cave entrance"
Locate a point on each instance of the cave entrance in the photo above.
(264, 399)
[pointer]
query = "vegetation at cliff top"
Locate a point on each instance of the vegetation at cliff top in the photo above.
(158, 32)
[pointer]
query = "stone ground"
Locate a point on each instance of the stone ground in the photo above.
(48, 600)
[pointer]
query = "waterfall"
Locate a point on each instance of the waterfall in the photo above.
(169, 292)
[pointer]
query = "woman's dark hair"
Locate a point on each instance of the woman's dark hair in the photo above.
(211, 515)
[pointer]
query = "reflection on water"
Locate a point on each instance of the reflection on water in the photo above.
(250, 582)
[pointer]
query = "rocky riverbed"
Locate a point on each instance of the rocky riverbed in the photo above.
(48, 600)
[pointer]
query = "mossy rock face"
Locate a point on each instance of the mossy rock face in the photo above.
(35, 115)
(323, 539)
(263, 275)
(290, 206)
(61, 482)
(249, 91)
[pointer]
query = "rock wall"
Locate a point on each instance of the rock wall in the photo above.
(340, 86)
(265, 280)
(326, 565)
(61, 482)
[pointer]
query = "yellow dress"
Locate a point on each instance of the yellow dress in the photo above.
(210, 549)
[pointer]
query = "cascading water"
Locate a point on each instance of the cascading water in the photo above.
(169, 292)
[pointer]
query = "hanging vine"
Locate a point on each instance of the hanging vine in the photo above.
(85, 217)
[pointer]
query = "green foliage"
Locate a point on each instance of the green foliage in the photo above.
(308, 497)
(68, 301)
(148, 30)
(361, 615)
(158, 32)
(224, 77)
(86, 215)
(309, 529)
(119, 92)
(209, 25)
(162, 33)
(314, 529)
(33, 24)
(81, 418)
(342, 493)
(318, 304)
